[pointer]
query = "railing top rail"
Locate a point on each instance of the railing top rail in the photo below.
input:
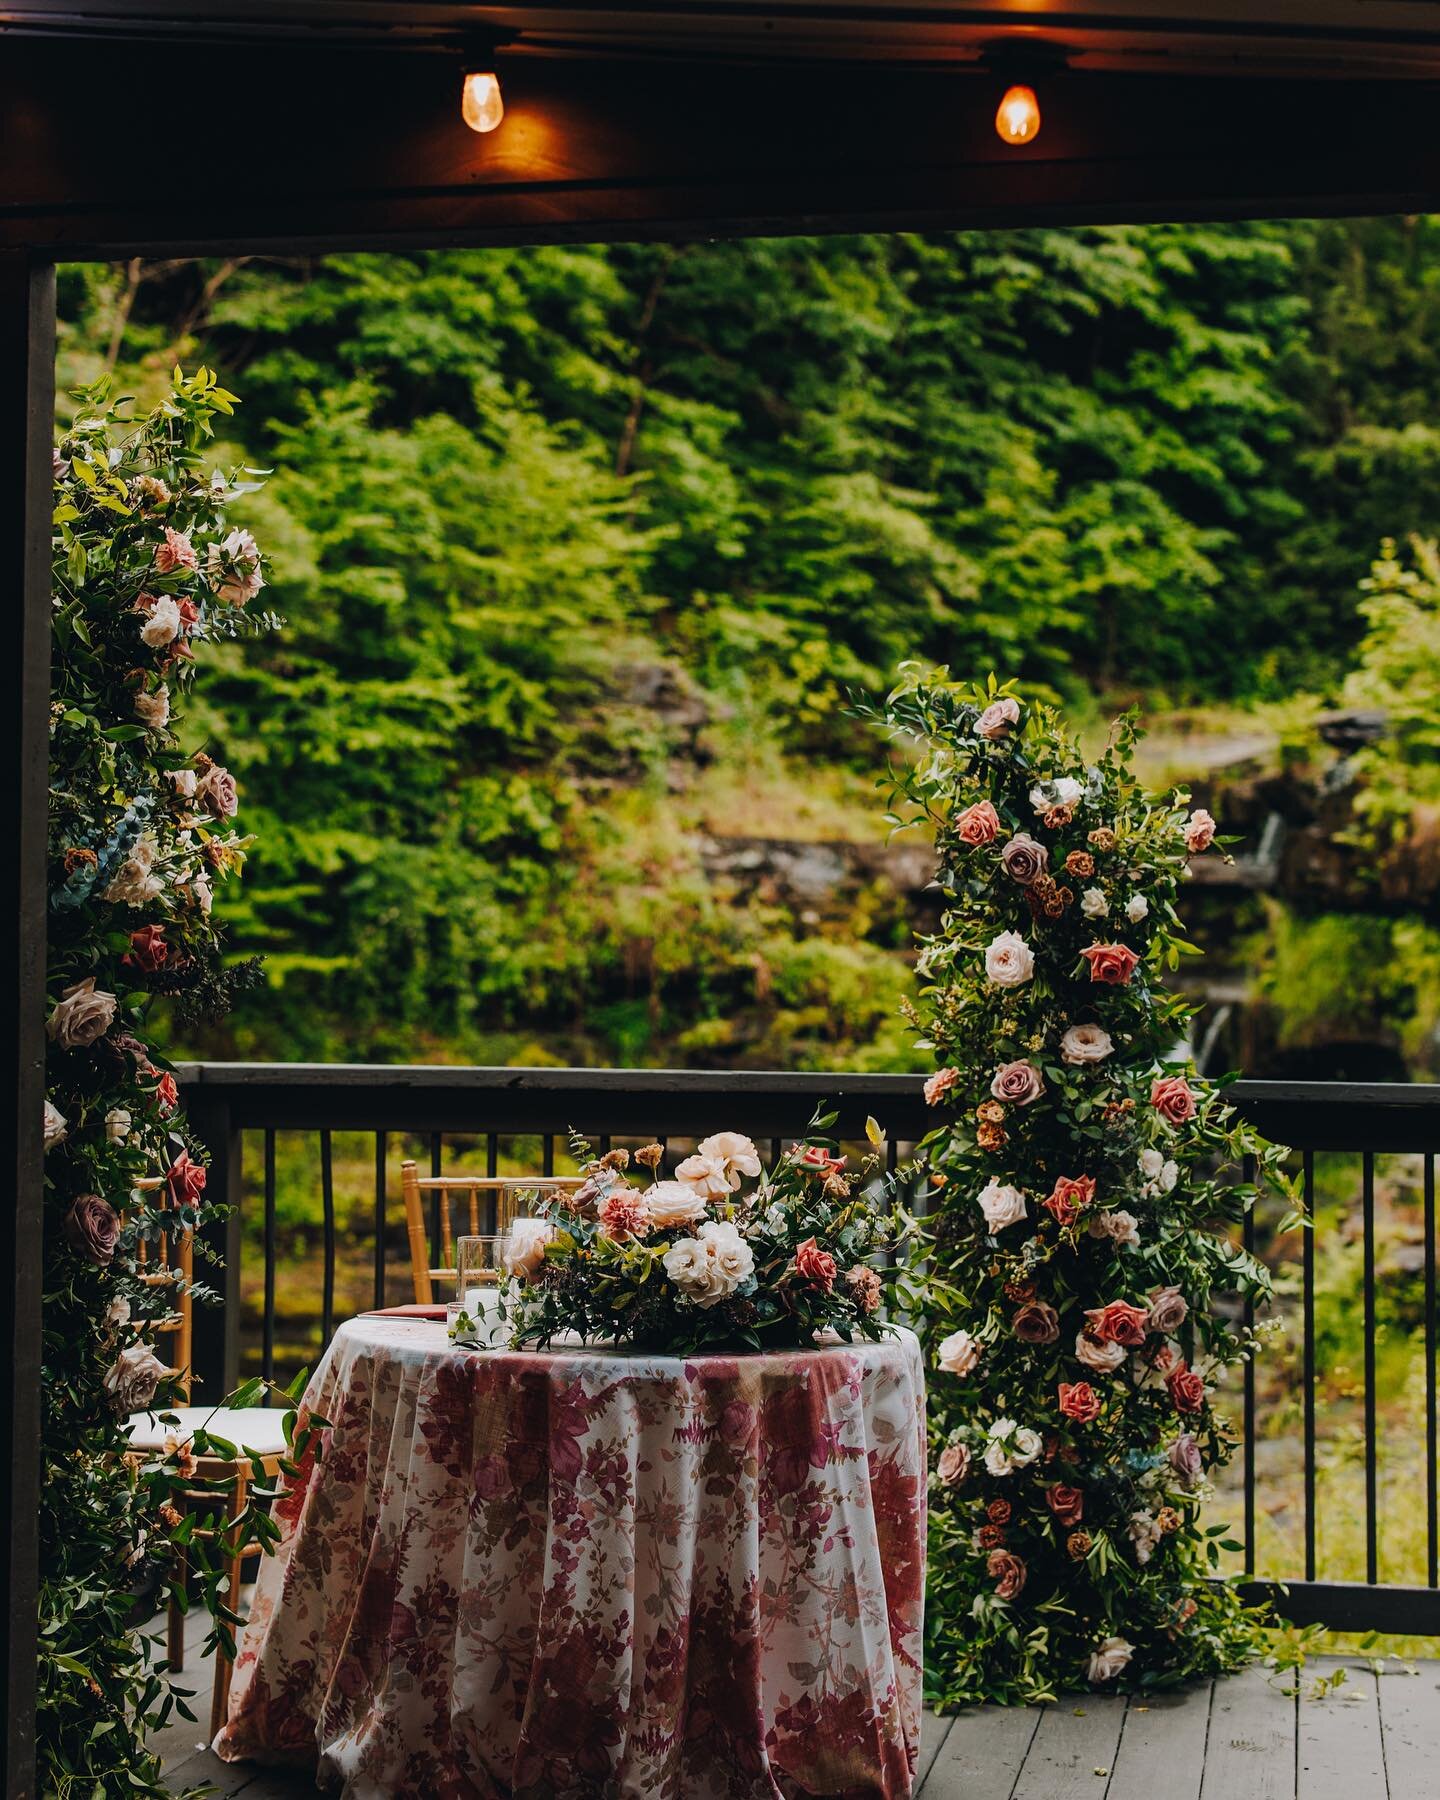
(423, 1097)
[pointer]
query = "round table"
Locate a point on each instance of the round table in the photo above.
(593, 1573)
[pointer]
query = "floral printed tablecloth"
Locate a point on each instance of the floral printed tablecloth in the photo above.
(583, 1573)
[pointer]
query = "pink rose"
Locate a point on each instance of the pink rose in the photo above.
(939, 1085)
(216, 791)
(995, 722)
(185, 1180)
(1187, 1389)
(1067, 1503)
(1071, 1194)
(167, 1093)
(1118, 1323)
(177, 552)
(978, 824)
(1112, 963)
(1018, 1083)
(1199, 831)
(815, 1159)
(954, 1464)
(148, 949)
(815, 1265)
(1079, 1401)
(1007, 1571)
(1168, 1309)
(1171, 1097)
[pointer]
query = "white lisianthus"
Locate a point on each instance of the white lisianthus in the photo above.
(1161, 1173)
(735, 1153)
(958, 1353)
(56, 1125)
(705, 1176)
(1144, 1534)
(1110, 1658)
(1009, 961)
(1136, 908)
(161, 623)
(1093, 903)
(1001, 1206)
(1063, 791)
(1085, 1044)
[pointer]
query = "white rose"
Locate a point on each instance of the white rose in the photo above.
(153, 710)
(1093, 903)
(705, 1176)
(1025, 1446)
(1122, 1226)
(998, 1460)
(735, 1152)
(958, 1353)
(1085, 1044)
(1065, 791)
(1104, 1359)
(673, 1203)
(81, 1014)
(1136, 907)
(523, 1250)
(695, 1266)
(56, 1126)
(1009, 961)
(117, 1125)
(1161, 1172)
(1109, 1659)
(161, 624)
(733, 1256)
(1001, 1206)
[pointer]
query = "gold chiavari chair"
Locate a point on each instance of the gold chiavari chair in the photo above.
(484, 1198)
(257, 1429)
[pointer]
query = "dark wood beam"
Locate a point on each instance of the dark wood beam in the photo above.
(27, 404)
(303, 150)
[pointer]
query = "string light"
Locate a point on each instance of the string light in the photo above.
(1018, 117)
(481, 106)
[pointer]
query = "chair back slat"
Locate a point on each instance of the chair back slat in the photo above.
(469, 1190)
(170, 1264)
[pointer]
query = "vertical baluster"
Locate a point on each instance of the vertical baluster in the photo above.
(381, 1148)
(1372, 1523)
(547, 1155)
(1308, 1389)
(267, 1350)
(438, 1197)
(1247, 1174)
(604, 1144)
(663, 1171)
(1432, 1448)
(327, 1198)
(774, 1152)
(492, 1155)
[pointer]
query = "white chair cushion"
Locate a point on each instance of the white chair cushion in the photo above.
(256, 1428)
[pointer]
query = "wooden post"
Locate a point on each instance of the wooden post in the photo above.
(27, 413)
(215, 1330)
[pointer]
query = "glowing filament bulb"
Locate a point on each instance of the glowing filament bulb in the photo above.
(1018, 119)
(480, 105)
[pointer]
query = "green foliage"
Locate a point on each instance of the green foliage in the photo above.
(1398, 671)
(1084, 1206)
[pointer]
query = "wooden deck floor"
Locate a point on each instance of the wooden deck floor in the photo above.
(1373, 1738)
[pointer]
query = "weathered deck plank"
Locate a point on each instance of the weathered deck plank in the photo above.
(1339, 1754)
(1076, 1737)
(1410, 1730)
(934, 1729)
(1250, 1752)
(1162, 1747)
(983, 1754)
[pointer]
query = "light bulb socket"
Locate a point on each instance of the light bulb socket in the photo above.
(1024, 61)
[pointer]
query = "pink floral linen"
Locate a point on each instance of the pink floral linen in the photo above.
(582, 1574)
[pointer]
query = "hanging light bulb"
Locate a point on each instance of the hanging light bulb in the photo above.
(1018, 117)
(480, 104)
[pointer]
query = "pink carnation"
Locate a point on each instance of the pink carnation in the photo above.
(1199, 831)
(177, 552)
(624, 1214)
(939, 1085)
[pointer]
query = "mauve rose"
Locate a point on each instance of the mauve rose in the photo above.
(815, 1265)
(82, 1014)
(1036, 1323)
(132, 1379)
(1083, 1044)
(1007, 1571)
(1199, 831)
(1171, 1097)
(1187, 1389)
(1067, 1503)
(92, 1229)
(1111, 963)
(1017, 1083)
(1185, 1460)
(148, 949)
(978, 824)
(1079, 1401)
(1070, 1195)
(185, 1180)
(995, 722)
(954, 1464)
(1118, 1323)
(1168, 1309)
(217, 792)
(1103, 1359)
(1023, 859)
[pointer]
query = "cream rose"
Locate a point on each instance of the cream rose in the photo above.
(1001, 1206)
(56, 1125)
(996, 720)
(117, 1125)
(133, 1378)
(153, 710)
(1063, 791)
(1109, 1659)
(674, 1203)
(81, 1014)
(161, 622)
(524, 1248)
(733, 1256)
(1009, 960)
(1137, 907)
(1103, 1359)
(705, 1176)
(735, 1153)
(958, 1354)
(1093, 903)
(1121, 1226)
(711, 1266)
(1085, 1044)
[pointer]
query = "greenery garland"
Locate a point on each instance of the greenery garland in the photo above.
(147, 568)
(1085, 1204)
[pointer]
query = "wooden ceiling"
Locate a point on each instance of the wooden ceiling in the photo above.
(171, 126)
